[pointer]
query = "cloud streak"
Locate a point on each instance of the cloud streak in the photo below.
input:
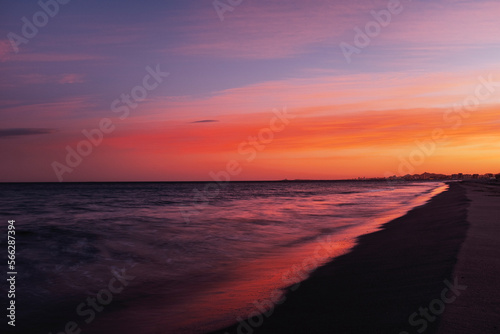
(206, 121)
(17, 132)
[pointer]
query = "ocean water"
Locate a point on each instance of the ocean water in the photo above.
(180, 257)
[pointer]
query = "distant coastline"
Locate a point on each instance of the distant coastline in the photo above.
(394, 178)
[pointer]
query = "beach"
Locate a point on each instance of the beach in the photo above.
(432, 270)
(478, 308)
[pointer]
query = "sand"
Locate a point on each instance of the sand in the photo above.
(401, 278)
(477, 310)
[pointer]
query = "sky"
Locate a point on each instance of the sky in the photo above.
(208, 90)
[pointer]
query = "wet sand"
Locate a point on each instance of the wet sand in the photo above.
(399, 279)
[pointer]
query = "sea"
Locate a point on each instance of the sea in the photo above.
(179, 257)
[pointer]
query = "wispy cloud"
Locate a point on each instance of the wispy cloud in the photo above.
(5, 50)
(206, 121)
(278, 30)
(52, 114)
(37, 79)
(331, 94)
(288, 29)
(15, 132)
(71, 78)
(51, 57)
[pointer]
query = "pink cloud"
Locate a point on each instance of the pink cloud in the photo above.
(52, 57)
(434, 25)
(278, 30)
(5, 50)
(40, 79)
(36, 79)
(329, 94)
(71, 78)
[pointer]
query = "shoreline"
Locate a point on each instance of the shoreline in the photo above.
(385, 278)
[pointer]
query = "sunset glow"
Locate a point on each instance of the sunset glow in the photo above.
(164, 91)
